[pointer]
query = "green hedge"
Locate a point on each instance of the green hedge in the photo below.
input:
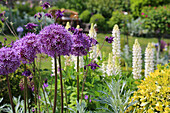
(85, 16)
(99, 20)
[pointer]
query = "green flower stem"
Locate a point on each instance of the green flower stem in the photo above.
(25, 85)
(35, 86)
(78, 79)
(61, 83)
(10, 94)
(45, 98)
(55, 96)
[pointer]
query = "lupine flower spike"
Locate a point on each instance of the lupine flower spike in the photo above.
(137, 60)
(149, 60)
(116, 50)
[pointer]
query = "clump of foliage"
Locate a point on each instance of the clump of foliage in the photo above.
(157, 19)
(99, 20)
(119, 18)
(85, 16)
(137, 5)
(153, 93)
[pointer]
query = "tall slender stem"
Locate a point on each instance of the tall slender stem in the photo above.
(55, 96)
(10, 94)
(35, 86)
(78, 79)
(61, 83)
(27, 95)
(45, 98)
(25, 85)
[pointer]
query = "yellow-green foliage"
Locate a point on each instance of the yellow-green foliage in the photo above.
(153, 94)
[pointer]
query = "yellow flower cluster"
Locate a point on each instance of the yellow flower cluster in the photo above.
(153, 94)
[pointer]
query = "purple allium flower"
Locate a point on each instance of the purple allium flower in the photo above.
(59, 14)
(27, 48)
(55, 39)
(9, 61)
(48, 15)
(46, 5)
(26, 73)
(93, 66)
(20, 29)
(86, 97)
(109, 40)
(93, 41)
(81, 43)
(31, 26)
(38, 15)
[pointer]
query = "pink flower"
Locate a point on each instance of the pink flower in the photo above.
(149, 5)
(142, 13)
(146, 16)
(155, 7)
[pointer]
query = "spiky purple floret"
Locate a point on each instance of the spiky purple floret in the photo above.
(59, 14)
(46, 5)
(81, 43)
(48, 15)
(93, 65)
(55, 39)
(9, 61)
(31, 26)
(27, 48)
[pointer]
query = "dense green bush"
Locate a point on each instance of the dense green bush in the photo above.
(99, 20)
(85, 16)
(137, 5)
(157, 20)
(119, 18)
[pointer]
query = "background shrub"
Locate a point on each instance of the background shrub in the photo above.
(99, 20)
(85, 16)
(157, 20)
(153, 93)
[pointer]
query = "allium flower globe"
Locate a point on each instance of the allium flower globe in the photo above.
(9, 61)
(81, 43)
(55, 39)
(27, 48)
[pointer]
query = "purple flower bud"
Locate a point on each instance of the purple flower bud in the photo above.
(20, 29)
(48, 15)
(93, 66)
(93, 41)
(3, 20)
(33, 110)
(86, 97)
(38, 15)
(59, 14)
(5, 39)
(26, 73)
(90, 100)
(109, 40)
(46, 5)
(31, 26)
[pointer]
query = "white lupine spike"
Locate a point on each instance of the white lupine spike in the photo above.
(109, 69)
(103, 68)
(116, 50)
(78, 26)
(67, 60)
(137, 60)
(67, 25)
(93, 34)
(126, 51)
(81, 61)
(149, 59)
